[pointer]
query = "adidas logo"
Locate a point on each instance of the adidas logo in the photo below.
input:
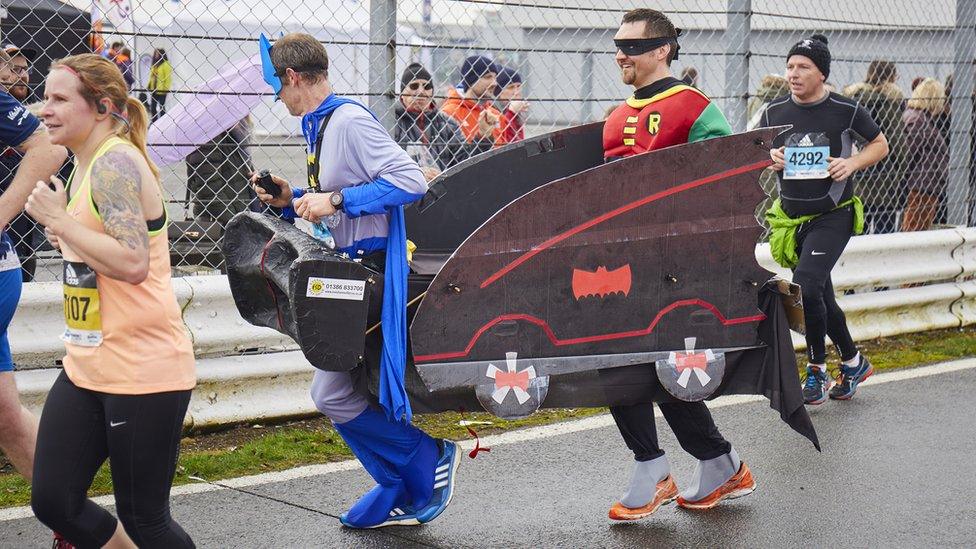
(441, 475)
(70, 276)
(806, 141)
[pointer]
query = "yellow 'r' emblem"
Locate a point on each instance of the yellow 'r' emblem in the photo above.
(654, 123)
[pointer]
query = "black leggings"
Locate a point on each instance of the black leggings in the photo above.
(139, 434)
(691, 422)
(819, 245)
(157, 105)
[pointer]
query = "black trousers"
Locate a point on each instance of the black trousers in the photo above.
(28, 261)
(139, 434)
(691, 423)
(820, 243)
(157, 105)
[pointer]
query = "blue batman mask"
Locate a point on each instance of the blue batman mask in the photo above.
(270, 76)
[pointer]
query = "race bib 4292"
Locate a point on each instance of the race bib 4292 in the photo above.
(806, 156)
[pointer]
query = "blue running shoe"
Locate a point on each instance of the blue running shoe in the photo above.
(444, 473)
(850, 378)
(381, 506)
(816, 386)
(399, 516)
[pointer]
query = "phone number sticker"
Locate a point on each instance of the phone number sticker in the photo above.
(336, 288)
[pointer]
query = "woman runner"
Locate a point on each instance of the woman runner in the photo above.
(129, 368)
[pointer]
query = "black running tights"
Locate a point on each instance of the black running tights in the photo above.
(139, 434)
(819, 245)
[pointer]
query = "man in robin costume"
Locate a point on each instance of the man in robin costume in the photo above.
(664, 111)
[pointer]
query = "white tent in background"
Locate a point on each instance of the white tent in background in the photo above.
(201, 38)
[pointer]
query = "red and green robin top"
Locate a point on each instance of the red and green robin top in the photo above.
(665, 113)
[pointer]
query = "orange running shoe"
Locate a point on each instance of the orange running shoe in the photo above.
(666, 492)
(741, 484)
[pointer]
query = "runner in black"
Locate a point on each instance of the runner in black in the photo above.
(817, 212)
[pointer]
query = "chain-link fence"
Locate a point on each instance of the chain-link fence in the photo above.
(195, 65)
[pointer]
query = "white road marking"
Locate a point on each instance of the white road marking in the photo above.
(512, 437)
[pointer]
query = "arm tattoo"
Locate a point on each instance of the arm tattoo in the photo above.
(117, 188)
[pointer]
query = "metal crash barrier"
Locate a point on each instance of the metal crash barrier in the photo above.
(891, 284)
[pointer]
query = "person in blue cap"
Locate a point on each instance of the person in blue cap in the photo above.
(367, 180)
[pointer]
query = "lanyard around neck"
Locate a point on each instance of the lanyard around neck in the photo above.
(314, 158)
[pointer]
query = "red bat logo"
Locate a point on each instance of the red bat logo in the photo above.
(601, 282)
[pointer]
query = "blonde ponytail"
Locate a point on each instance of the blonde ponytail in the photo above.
(138, 129)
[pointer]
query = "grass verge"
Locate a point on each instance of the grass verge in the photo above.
(254, 449)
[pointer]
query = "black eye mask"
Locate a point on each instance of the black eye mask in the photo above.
(638, 46)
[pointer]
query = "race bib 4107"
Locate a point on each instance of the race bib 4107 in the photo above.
(82, 311)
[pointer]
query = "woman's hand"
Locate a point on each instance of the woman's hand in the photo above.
(53, 239)
(49, 206)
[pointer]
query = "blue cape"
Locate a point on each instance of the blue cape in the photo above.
(393, 392)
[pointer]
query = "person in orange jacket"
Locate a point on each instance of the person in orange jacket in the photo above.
(470, 103)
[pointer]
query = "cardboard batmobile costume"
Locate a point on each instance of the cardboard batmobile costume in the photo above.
(545, 278)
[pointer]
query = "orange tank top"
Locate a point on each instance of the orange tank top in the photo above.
(122, 338)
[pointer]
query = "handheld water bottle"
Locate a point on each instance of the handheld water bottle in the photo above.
(322, 231)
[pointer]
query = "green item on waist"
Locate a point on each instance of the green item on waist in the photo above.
(782, 236)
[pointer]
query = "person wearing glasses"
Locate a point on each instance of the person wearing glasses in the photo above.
(433, 139)
(23, 231)
(40, 159)
(16, 74)
(665, 111)
(366, 179)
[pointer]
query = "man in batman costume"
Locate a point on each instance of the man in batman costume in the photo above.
(359, 179)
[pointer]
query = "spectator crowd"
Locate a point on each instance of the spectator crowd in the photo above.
(441, 124)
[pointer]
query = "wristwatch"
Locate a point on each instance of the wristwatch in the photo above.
(336, 200)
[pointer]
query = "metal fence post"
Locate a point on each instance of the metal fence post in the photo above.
(736, 38)
(382, 60)
(961, 113)
(586, 108)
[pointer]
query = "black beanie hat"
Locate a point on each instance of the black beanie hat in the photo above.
(816, 49)
(507, 76)
(414, 71)
(475, 67)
